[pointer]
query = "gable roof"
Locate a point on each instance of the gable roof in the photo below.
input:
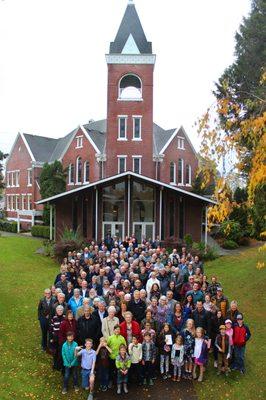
(61, 146)
(130, 25)
(97, 133)
(127, 173)
(41, 147)
(160, 137)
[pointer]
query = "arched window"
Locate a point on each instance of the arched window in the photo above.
(172, 173)
(188, 174)
(71, 174)
(86, 172)
(180, 180)
(130, 88)
(78, 170)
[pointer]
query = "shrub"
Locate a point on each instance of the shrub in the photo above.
(41, 231)
(188, 240)
(229, 244)
(244, 241)
(205, 253)
(8, 226)
(48, 247)
(70, 240)
(231, 230)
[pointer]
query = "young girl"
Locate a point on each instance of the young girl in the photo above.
(102, 353)
(189, 343)
(200, 353)
(165, 342)
(122, 363)
(177, 358)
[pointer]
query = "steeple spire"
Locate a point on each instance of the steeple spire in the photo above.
(130, 38)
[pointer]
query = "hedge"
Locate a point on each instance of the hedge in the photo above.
(8, 226)
(41, 231)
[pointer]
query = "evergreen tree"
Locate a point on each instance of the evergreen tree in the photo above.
(2, 185)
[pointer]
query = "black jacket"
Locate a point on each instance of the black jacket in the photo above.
(138, 309)
(87, 328)
(202, 319)
(45, 310)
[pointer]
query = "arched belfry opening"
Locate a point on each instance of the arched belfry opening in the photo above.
(130, 87)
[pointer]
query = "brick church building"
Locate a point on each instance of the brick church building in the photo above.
(125, 174)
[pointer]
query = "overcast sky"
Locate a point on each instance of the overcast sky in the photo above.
(53, 72)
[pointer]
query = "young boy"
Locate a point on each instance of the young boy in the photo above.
(148, 359)
(122, 363)
(224, 350)
(88, 359)
(70, 362)
(240, 337)
(135, 352)
(114, 341)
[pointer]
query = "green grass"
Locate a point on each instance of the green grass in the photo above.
(25, 372)
(241, 281)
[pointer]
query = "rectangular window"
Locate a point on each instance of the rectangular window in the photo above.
(29, 177)
(17, 178)
(71, 174)
(17, 202)
(122, 128)
(122, 161)
(7, 202)
(188, 175)
(86, 173)
(172, 173)
(12, 179)
(180, 172)
(180, 143)
(8, 179)
(136, 164)
(79, 143)
(136, 128)
(14, 202)
(29, 202)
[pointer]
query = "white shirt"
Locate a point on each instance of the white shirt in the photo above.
(198, 347)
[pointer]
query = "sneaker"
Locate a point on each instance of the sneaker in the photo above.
(168, 375)
(178, 379)
(110, 385)
(151, 382)
(174, 378)
(90, 397)
(215, 364)
(226, 373)
(164, 376)
(194, 375)
(88, 388)
(145, 382)
(104, 388)
(76, 389)
(242, 372)
(218, 373)
(200, 378)
(64, 391)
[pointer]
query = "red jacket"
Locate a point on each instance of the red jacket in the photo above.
(241, 335)
(67, 326)
(135, 330)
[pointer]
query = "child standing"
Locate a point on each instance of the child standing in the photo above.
(224, 350)
(122, 363)
(70, 362)
(88, 359)
(189, 343)
(148, 359)
(165, 342)
(177, 357)
(200, 353)
(135, 352)
(102, 353)
(149, 330)
(113, 342)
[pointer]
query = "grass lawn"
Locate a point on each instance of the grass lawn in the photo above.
(25, 372)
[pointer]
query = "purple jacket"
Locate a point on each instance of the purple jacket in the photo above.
(204, 353)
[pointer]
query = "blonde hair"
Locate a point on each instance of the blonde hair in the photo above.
(201, 330)
(192, 329)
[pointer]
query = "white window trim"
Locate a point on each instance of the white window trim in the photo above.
(84, 172)
(118, 133)
(180, 139)
(134, 117)
(182, 173)
(22, 201)
(189, 175)
(17, 200)
(79, 138)
(69, 175)
(118, 162)
(174, 182)
(139, 157)
(77, 171)
(7, 179)
(28, 202)
(29, 184)
(8, 202)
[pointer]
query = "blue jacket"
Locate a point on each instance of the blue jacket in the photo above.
(73, 305)
(68, 354)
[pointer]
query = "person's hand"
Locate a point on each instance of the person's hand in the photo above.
(228, 356)
(143, 362)
(153, 361)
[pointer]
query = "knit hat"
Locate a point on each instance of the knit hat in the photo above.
(228, 321)
(222, 327)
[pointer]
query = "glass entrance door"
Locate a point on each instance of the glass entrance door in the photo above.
(114, 228)
(143, 230)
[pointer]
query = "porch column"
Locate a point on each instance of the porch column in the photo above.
(128, 206)
(51, 222)
(206, 228)
(96, 215)
(32, 217)
(54, 223)
(160, 213)
(18, 222)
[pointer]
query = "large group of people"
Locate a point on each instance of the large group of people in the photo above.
(123, 312)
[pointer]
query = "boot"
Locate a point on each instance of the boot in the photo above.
(119, 387)
(125, 388)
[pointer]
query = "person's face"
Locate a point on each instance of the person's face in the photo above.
(228, 325)
(47, 294)
(189, 298)
(88, 345)
(128, 318)
(233, 307)
(178, 308)
(195, 287)
(219, 314)
(101, 307)
(147, 339)
(136, 295)
(222, 332)
(117, 331)
(111, 314)
(59, 312)
(70, 316)
(134, 341)
(123, 351)
(87, 313)
(147, 326)
(76, 294)
(166, 328)
(84, 285)
(163, 302)
(154, 302)
(199, 305)
(213, 279)
(169, 295)
(70, 338)
(189, 324)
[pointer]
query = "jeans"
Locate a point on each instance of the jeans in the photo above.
(85, 375)
(147, 370)
(239, 358)
(44, 324)
(121, 378)
(134, 373)
(177, 371)
(103, 375)
(68, 371)
(164, 361)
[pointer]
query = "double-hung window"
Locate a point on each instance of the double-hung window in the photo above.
(122, 127)
(122, 164)
(180, 143)
(136, 127)
(180, 173)
(136, 160)
(172, 173)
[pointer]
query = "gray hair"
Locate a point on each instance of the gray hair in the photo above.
(59, 308)
(111, 309)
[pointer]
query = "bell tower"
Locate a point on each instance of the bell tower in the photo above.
(129, 141)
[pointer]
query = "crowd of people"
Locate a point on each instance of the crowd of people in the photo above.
(122, 312)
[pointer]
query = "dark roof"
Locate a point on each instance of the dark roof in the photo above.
(40, 146)
(96, 130)
(61, 145)
(130, 25)
(160, 137)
